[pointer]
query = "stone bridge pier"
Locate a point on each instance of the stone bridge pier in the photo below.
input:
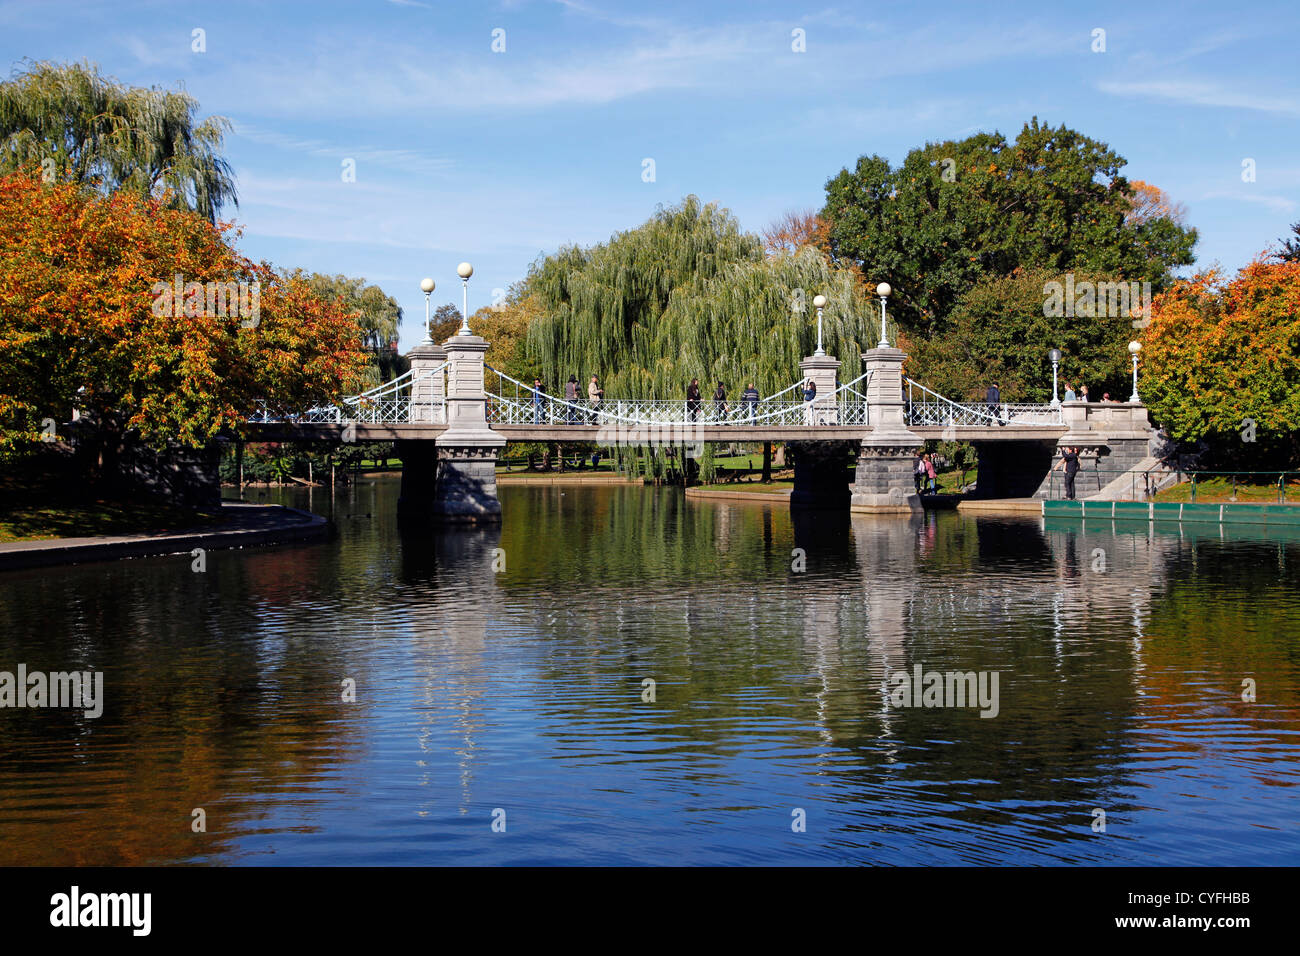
(883, 483)
(452, 479)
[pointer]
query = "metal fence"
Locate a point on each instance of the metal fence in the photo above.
(1283, 486)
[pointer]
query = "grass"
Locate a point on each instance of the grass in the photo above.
(773, 487)
(37, 521)
(1220, 490)
(36, 506)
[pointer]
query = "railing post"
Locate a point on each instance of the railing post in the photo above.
(466, 488)
(824, 372)
(884, 479)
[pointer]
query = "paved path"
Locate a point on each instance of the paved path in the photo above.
(243, 525)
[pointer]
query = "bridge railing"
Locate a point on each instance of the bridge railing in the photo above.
(389, 403)
(924, 407)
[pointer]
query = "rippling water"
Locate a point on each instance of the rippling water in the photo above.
(1120, 655)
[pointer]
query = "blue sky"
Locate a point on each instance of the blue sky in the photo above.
(462, 153)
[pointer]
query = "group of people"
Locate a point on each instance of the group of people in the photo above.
(695, 402)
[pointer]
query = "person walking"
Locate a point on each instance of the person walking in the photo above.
(1069, 394)
(992, 401)
(693, 400)
(571, 398)
(1070, 462)
(720, 403)
(750, 397)
(538, 401)
(930, 476)
(595, 395)
(809, 395)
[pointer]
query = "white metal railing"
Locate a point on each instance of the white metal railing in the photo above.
(932, 409)
(387, 403)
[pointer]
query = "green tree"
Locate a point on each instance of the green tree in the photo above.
(688, 294)
(1291, 247)
(957, 212)
(997, 332)
(77, 125)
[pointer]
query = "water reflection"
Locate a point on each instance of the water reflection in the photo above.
(1121, 651)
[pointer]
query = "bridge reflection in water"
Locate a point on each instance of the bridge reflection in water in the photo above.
(522, 689)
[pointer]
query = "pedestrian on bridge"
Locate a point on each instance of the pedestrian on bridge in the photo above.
(720, 403)
(992, 399)
(595, 394)
(1069, 393)
(571, 398)
(539, 401)
(750, 397)
(809, 393)
(693, 400)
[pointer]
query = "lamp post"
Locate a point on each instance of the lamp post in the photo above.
(427, 285)
(1134, 348)
(464, 270)
(883, 291)
(1055, 357)
(820, 302)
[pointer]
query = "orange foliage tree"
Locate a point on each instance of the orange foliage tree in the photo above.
(84, 323)
(1221, 360)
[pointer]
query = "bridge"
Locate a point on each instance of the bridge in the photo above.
(449, 425)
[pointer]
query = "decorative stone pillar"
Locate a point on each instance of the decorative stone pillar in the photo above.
(466, 488)
(428, 392)
(884, 481)
(824, 372)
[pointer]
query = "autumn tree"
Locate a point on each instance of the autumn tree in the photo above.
(89, 319)
(378, 315)
(793, 230)
(77, 125)
(1220, 362)
(956, 212)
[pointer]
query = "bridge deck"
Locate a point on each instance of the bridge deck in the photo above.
(285, 431)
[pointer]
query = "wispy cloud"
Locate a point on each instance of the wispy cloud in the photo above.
(1200, 93)
(402, 160)
(1279, 203)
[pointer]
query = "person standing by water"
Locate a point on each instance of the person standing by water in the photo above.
(693, 399)
(930, 477)
(750, 397)
(595, 395)
(538, 401)
(1070, 462)
(918, 472)
(571, 397)
(720, 403)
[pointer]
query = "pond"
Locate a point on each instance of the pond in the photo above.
(622, 675)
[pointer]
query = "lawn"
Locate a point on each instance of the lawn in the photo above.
(1220, 490)
(34, 520)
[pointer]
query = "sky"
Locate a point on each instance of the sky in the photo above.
(497, 132)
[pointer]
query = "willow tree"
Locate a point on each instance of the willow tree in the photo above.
(73, 124)
(685, 295)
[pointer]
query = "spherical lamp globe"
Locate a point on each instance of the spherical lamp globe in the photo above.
(464, 270)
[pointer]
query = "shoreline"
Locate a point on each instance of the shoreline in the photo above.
(246, 525)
